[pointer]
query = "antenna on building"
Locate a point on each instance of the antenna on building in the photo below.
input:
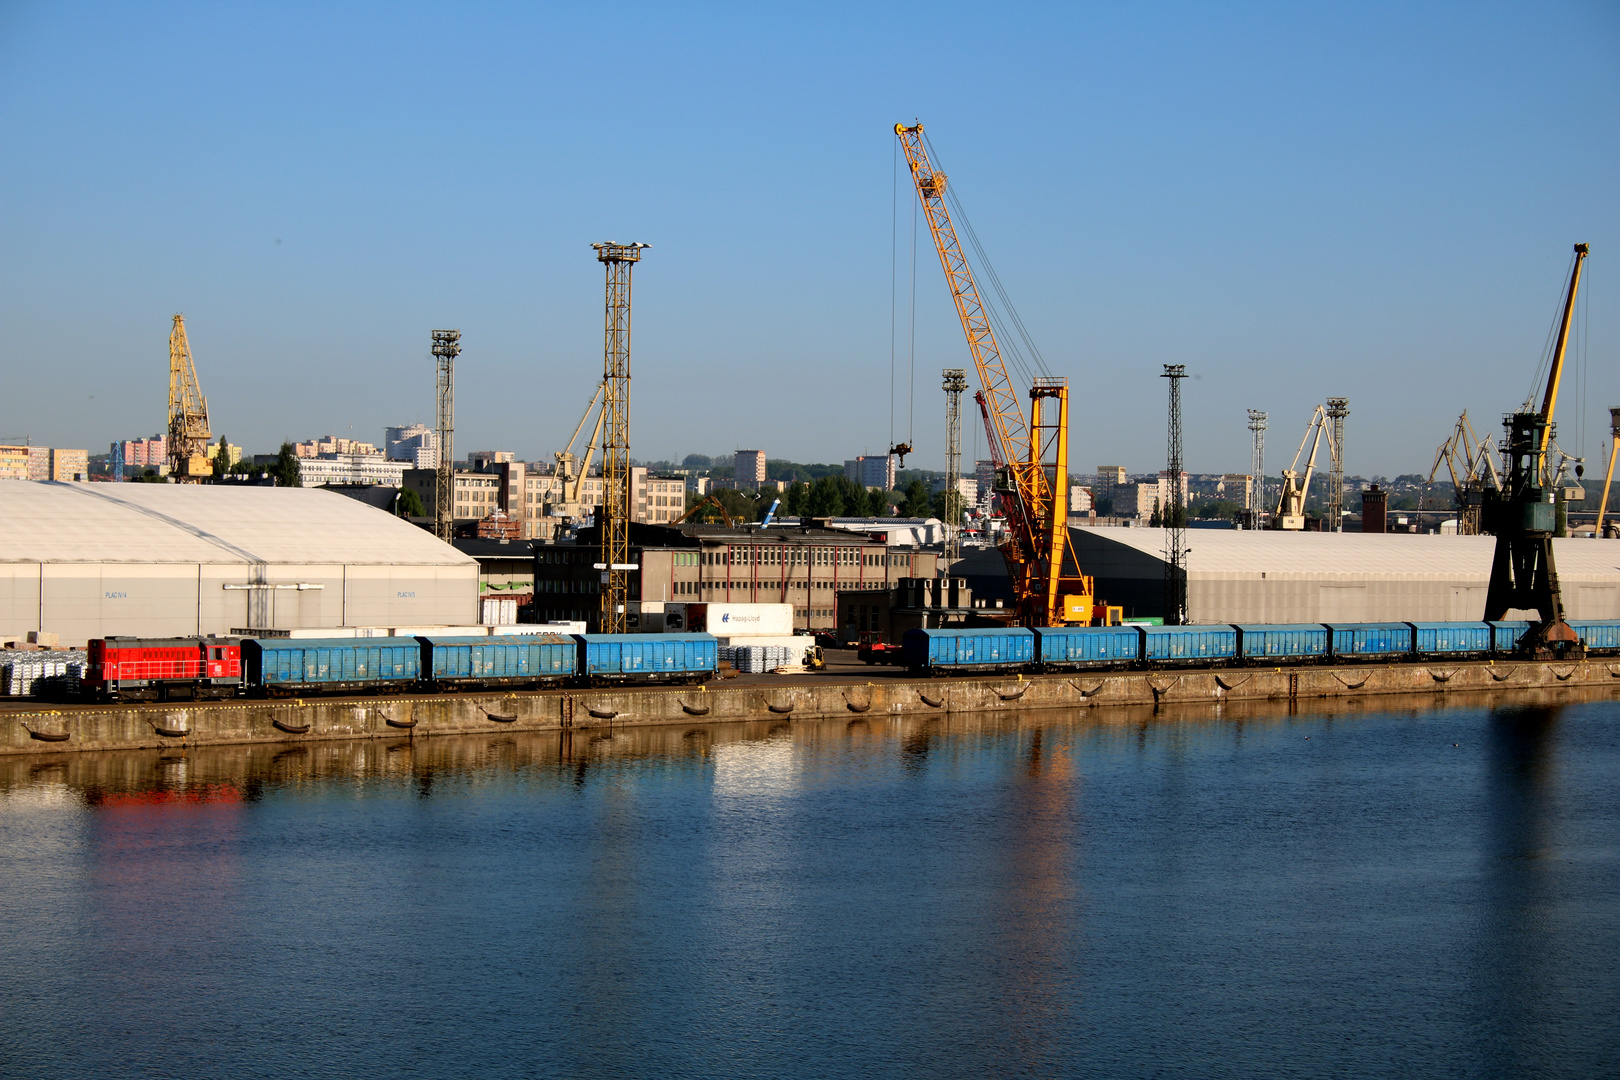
(1257, 466)
(1174, 511)
(446, 347)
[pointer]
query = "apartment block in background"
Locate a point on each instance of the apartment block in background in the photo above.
(749, 469)
(873, 471)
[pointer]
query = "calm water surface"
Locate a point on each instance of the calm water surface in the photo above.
(1367, 894)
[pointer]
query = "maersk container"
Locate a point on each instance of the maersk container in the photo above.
(1371, 639)
(960, 650)
(1598, 635)
(331, 663)
(1098, 646)
(1452, 638)
(1187, 644)
(1505, 636)
(632, 657)
(530, 658)
(1282, 641)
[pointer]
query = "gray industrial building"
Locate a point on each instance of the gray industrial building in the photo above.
(1286, 577)
(88, 560)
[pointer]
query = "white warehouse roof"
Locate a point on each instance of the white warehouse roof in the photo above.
(205, 523)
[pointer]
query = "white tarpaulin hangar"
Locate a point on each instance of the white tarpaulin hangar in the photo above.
(1307, 577)
(88, 560)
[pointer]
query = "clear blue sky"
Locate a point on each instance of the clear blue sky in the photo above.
(1295, 201)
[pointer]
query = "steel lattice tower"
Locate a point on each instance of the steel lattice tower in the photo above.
(1174, 512)
(613, 519)
(446, 347)
(187, 447)
(955, 384)
(1257, 466)
(1337, 409)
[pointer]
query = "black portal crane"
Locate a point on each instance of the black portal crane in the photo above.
(1523, 514)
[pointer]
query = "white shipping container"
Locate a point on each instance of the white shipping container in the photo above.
(499, 611)
(733, 620)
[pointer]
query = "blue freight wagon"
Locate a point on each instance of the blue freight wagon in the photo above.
(288, 665)
(930, 651)
(1452, 638)
(1087, 646)
(1598, 635)
(646, 657)
(1282, 641)
(1505, 636)
(1371, 639)
(503, 660)
(1187, 644)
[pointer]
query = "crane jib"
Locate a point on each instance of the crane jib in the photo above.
(1035, 502)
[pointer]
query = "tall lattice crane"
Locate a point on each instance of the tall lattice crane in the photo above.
(188, 413)
(955, 383)
(1523, 514)
(613, 522)
(446, 347)
(1031, 454)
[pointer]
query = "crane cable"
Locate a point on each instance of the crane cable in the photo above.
(1028, 359)
(894, 275)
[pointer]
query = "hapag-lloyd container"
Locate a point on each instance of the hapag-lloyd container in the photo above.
(738, 620)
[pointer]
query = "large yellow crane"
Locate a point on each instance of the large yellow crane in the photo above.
(1031, 454)
(188, 413)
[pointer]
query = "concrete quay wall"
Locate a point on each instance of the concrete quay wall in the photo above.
(136, 726)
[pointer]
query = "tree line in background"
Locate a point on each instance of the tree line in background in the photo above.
(832, 495)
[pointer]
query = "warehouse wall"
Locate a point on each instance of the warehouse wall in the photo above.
(79, 601)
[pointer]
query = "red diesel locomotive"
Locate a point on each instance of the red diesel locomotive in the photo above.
(164, 669)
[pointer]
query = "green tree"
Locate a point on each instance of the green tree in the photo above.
(409, 504)
(877, 503)
(222, 458)
(286, 471)
(797, 495)
(917, 503)
(1155, 521)
(947, 506)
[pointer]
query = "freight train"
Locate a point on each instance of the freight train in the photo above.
(183, 669)
(1060, 648)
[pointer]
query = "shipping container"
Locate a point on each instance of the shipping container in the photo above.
(1282, 641)
(731, 620)
(498, 610)
(292, 664)
(508, 659)
(1187, 644)
(963, 650)
(1371, 639)
(1452, 638)
(1598, 635)
(634, 657)
(1505, 636)
(1091, 646)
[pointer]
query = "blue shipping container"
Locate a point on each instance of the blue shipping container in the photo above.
(1282, 641)
(1600, 634)
(1087, 644)
(1451, 638)
(1371, 639)
(515, 657)
(646, 655)
(1505, 635)
(329, 662)
(969, 648)
(1162, 644)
